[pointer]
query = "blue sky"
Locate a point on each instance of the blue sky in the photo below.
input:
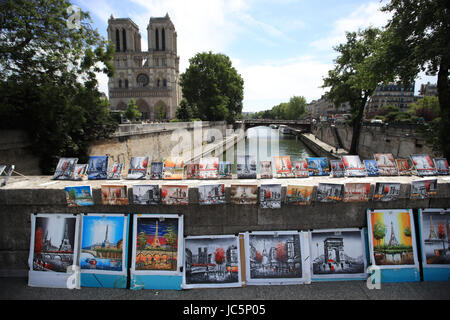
(281, 48)
(94, 230)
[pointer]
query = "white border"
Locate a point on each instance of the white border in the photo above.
(413, 239)
(124, 242)
(305, 256)
(213, 285)
(180, 252)
(339, 275)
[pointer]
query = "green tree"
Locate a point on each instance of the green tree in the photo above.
(296, 108)
(142, 240)
(132, 112)
(419, 32)
(407, 231)
(213, 86)
(379, 231)
(184, 111)
(48, 84)
(161, 112)
(427, 107)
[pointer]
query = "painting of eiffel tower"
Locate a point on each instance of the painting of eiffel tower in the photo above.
(435, 235)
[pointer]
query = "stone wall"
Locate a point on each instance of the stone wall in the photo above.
(21, 197)
(15, 149)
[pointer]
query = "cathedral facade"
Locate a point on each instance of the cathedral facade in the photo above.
(150, 77)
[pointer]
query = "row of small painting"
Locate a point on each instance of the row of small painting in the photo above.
(97, 244)
(270, 195)
(246, 168)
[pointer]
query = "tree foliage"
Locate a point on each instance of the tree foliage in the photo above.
(132, 111)
(292, 110)
(48, 83)
(184, 111)
(213, 87)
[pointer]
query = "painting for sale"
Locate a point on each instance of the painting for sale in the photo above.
(191, 171)
(435, 235)
(338, 254)
(244, 194)
(283, 167)
(79, 196)
(211, 194)
(392, 237)
(103, 242)
(386, 191)
(270, 196)
(212, 261)
(173, 168)
(356, 192)
(404, 169)
(114, 194)
(146, 194)
(174, 195)
(337, 168)
(80, 173)
(209, 168)
(441, 165)
(299, 195)
(265, 169)
(65, 168)
(330, 192)
(423, 189)
(115, 171)
(301, 169)
(353, 166)
(156, 170)
(225, 170)
(371, 168)
(386, 164)
(246, 167)
(98, 167)
(318, 166)
(138, 168)
(423, 164)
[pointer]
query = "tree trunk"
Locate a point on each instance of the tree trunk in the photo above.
(444, 103)
(357, 124)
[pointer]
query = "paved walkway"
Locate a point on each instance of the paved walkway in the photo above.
(326, 146)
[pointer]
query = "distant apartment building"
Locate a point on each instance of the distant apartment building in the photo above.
(323, 107)
(428, 89)
(391, 94)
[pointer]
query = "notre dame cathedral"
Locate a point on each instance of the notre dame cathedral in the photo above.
(150, 77)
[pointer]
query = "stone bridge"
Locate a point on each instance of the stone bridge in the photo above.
(304, 125)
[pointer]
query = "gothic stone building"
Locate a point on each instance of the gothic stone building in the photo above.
(150, 77)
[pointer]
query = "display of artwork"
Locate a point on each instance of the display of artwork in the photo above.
(191, 171)
(209, 168)
(212, 262)
(371, 168)
(423, 189)
(441, 165)
(403, 167)
(173, 168)
(276, 257)
(244, 194)
(270, 196)
(318, 166)
(435, 238)
(211, 194)
(79, 196)
(138, 168)
(265, 169)
(64, 169)
(283, 167)
(353, 166)
(356, 192)
(98, 167)
(225, 170)
(337, 254)
(246, 167)
(80, 172)
(53, 249)
(156, 170)
(301, 169)
(146, 194)
(114, 194)
(337, 168)
(299, 195)
(330, 192)
(423, 164)
(174, 195)
(115, 171)
(386, 191)
(386, 164)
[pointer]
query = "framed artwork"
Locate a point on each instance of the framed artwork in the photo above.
(270, 196)
(338, 254)
(138, 168)
(146, 194)
(423, 164)
(114, 194)
(423, 189)
(98, 167)
(225, 170)
(299, 195)
(283, 167)
(353, 166)
(301, 169)
(209, 168)
(173, 168)
(277, 257)
(403, 167)
(356, 192)
(211, 194)
(386, 191)
(115, 171)
(244, 194)
(8, 174)
(212, 262)
(318, 166)
(191, 171)
(156, 170)
(79, 196)
(174, 195)
(386, 163)
(441, 165)
(330, 192)
(371, 168)
(65, 168)
(265, 169)
(337, 168)
(246, 167)
(80, 173)
(53, 250)
(157, 244)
